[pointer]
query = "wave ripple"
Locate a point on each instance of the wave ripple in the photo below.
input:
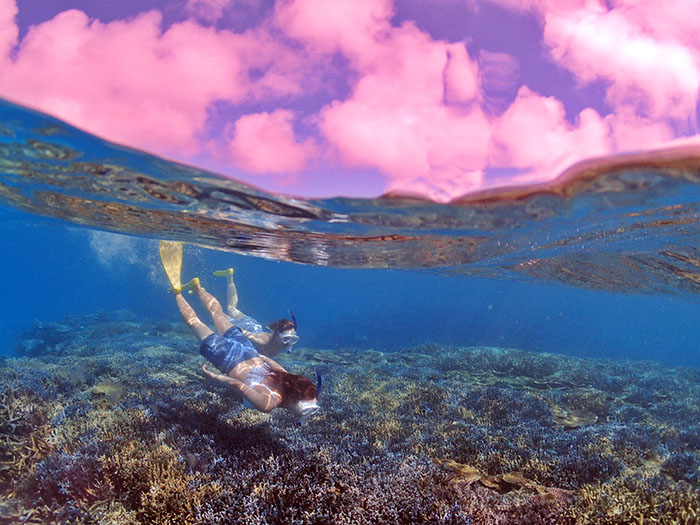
(626, 223)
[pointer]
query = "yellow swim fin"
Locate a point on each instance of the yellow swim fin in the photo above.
(171, 258)
(194, 283)
(224, 273)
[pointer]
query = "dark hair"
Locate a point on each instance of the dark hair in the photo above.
(282, 325)
(292, 388)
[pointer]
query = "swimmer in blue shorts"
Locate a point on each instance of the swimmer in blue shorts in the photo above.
(262, 382)
(283, 335)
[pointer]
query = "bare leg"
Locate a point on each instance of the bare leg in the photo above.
(190, 317)
(232, 299)
(221, 320)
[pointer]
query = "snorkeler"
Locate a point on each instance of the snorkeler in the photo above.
(262, 382)
(283, 335)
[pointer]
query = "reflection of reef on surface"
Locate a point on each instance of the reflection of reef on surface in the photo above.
(626, 223)
(108, 420)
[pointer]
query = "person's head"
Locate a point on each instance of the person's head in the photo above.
(286, 331)
(298, 393)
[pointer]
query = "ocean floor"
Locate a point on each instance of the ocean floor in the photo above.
(106, 419)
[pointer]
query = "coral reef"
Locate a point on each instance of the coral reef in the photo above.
(105, 419)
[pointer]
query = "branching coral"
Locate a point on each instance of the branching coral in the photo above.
(115, 424)
(633, 500)
(24, 435)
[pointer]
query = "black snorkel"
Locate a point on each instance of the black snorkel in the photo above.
(319, 384)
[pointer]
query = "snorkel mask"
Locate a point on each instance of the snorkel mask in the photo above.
(288, 338)
(308, 408)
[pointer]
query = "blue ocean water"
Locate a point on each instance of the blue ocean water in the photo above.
(53, 270)
(608, 270)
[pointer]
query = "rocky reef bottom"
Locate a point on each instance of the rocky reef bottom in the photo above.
(105, 419)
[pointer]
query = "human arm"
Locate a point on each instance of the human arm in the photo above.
(265, 342)
(274, 365)
(263, 401)
(258, 338)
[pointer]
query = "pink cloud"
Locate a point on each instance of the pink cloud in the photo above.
(648, 52)
(461, 84)
(630, 132)
(674, 21)
(416, 110)
(349, 26)
(396, 119)
(413, 112)
(265, 143)
(131, 82)
(8, 28)
(534, 134)
(659, 78)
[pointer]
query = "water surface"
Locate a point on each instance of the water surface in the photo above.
(624, 224)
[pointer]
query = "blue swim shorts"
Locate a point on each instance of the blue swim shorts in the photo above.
(228, 350)
(248, 324)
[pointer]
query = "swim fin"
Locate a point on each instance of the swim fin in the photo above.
(224, 273)
(194, 283)
(171, 258)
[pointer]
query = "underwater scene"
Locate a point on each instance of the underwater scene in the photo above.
(525, 355)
